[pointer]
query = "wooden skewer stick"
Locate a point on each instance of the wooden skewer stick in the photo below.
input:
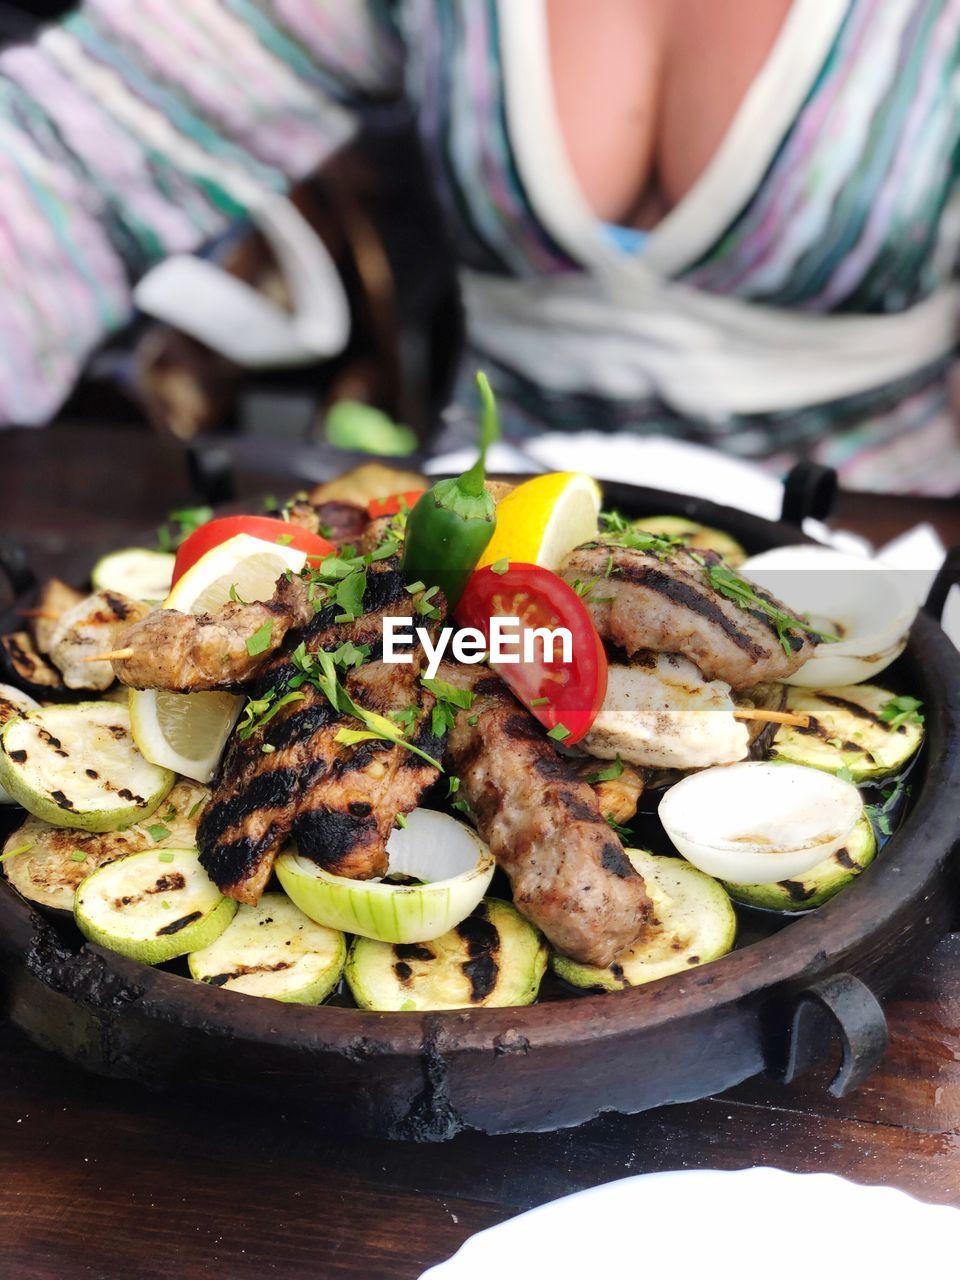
(772, 717)
(48, 615)
(115, 655)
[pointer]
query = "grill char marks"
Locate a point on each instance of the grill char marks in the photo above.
(543, 823)
(339, 801)
(667, 604)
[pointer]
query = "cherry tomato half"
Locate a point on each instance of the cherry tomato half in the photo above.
(406, 501)
(558, 693)
(267, 528)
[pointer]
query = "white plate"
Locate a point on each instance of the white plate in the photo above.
(718, 1225)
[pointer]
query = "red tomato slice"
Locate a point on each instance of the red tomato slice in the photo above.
(267, 528)
(569, 694)
(406, 501)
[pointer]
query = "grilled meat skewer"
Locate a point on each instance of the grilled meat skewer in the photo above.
(339, 801)
(186, 652)
(666, 602)
(89, 628)
(544, 826)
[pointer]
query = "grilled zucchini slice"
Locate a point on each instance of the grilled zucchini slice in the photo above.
(22, 662)
(698, 537)
(76, 766)
(818, 886)
(46, 863)
(13, 703)
(493, 959)
(152, 906)
(135, 572)
(693, 923)
(847, 731)
(273, 950)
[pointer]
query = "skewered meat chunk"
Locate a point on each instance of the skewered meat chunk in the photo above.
(186, 652)
(338, 521)
(91, 627)
(338, 800)
(667, 603)
(544, 826)
(659, 711)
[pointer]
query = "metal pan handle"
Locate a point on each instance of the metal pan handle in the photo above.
(844, 1007)
(948, 576)
(809, 490)
(15, 567)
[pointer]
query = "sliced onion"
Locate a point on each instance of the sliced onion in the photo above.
(453, 863)
(870, 608)
(758, 822)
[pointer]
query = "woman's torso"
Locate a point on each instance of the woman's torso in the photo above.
(808, 168)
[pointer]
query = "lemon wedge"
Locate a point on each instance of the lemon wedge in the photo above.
(187, 732)
(543, 519)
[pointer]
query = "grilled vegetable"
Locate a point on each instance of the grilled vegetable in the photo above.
(451, 862)
(273, 950)
(449, 528)
(693, 923)
(817, 886)
(698, 537)
(77, 766)
(859, 727)
(89, 628)
(152, 906)
(45, 863)
(13, 703)
(25, 665)
(493, 958)
(135, 572)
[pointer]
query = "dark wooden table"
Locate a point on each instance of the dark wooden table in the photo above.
(103, 1179)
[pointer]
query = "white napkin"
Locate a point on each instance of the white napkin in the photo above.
(658, 462)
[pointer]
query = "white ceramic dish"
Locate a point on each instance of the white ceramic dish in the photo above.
(718, 1225)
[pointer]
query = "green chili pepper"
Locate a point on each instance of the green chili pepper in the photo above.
(450, 526)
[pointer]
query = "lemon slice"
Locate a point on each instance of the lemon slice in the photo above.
(543, 519)
(251, 566)
(187, 732)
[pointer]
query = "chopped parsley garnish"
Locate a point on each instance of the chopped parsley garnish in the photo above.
(845, 774)
(165, 857)
(400, 821)
(195, 810)
(463, 806)
(424, 606)
(559, 732)
(453, 784)
(235, 595)
(472, 721)
(744, 594)
(623, 832)
(539, 702)
(500, 566)
(284, 539)
(450, 699)
(164, 904)
(157, 832)
(268, 748)
(185, 521)
(901, 710)
(618, 531)
(260, 711)
(78, 855)
(259, 642)
(350, 655)
(608, 774)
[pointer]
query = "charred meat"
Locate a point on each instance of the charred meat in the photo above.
(676, 603)
(544, 825)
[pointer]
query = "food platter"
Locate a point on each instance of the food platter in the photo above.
(772, 1005)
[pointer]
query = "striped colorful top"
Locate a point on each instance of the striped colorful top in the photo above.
(799, 301)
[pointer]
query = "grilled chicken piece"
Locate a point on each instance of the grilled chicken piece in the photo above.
(544, 826)
(659, 711)
(53, 600)
(338, 800)
(91, 627)
(667, 603)
(617, 797)
(186, 652)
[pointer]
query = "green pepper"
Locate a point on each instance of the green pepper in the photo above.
(450, 526)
